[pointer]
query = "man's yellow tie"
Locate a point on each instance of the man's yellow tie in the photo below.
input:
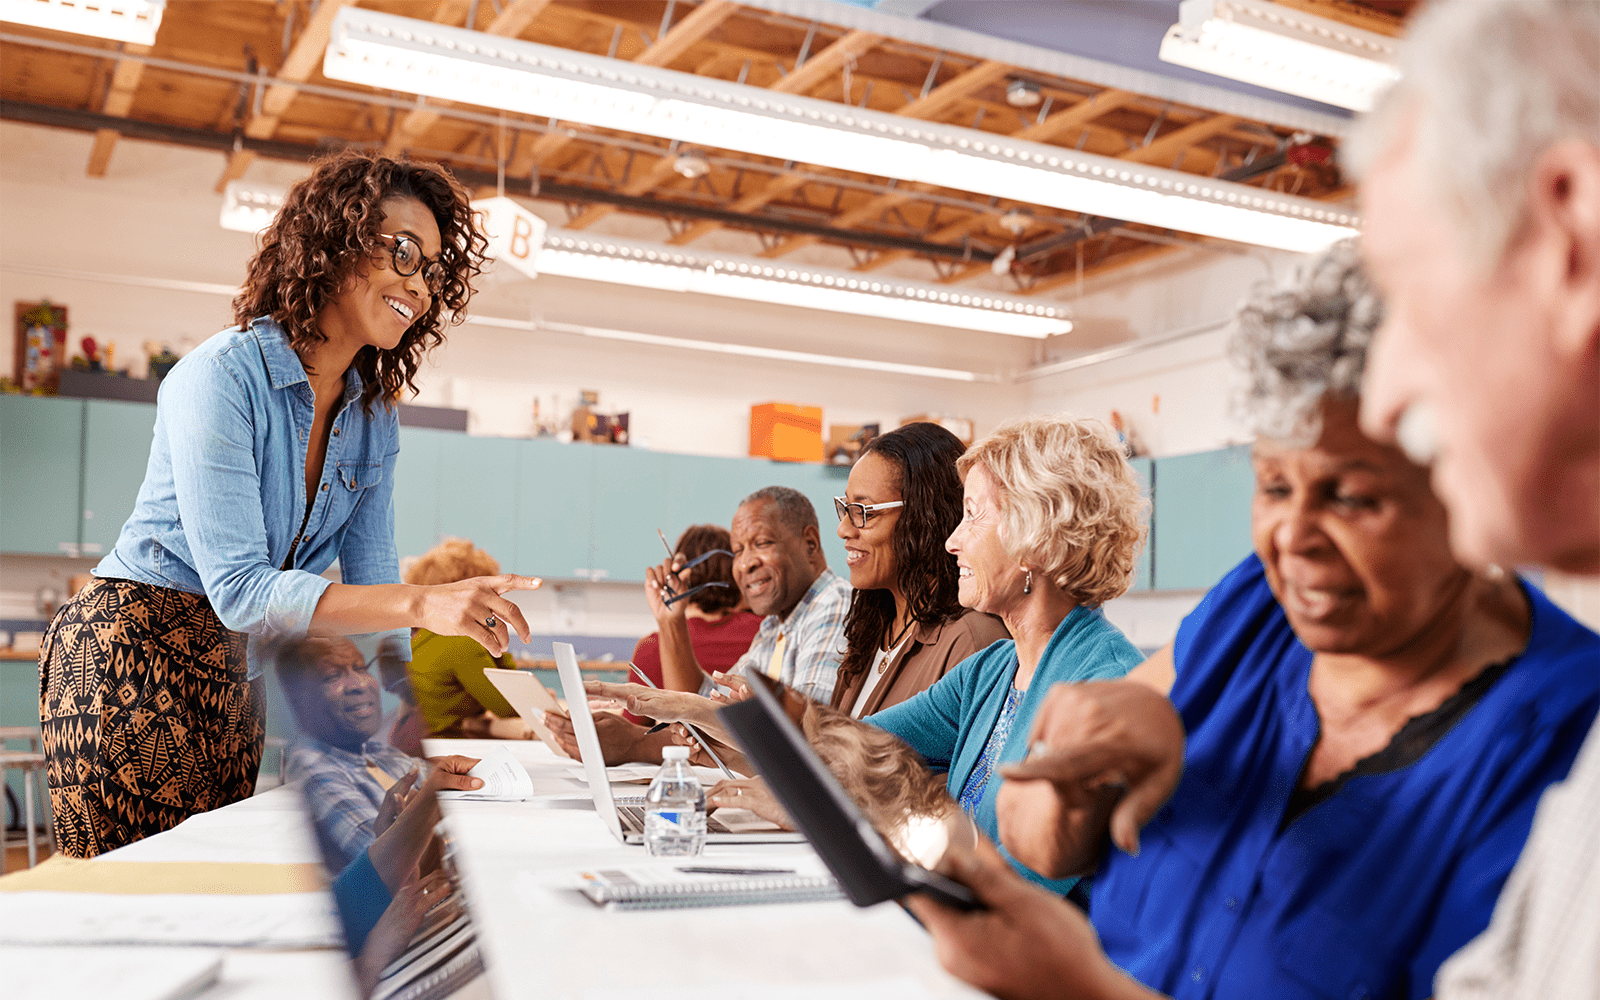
(378, 775)
(775, 665)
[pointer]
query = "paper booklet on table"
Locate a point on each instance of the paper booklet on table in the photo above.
(646, 888)
(868, 869)
(504, 778)
(529, 697)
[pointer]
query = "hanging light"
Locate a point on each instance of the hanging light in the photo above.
(132, 21)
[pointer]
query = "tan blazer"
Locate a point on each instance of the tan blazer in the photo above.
(934, 650)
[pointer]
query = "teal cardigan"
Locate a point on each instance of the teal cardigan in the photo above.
(949, 723)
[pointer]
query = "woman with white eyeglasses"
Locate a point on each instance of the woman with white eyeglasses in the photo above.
(273, 456)
(906, 627)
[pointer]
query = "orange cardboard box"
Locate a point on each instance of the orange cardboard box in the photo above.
(786, 432)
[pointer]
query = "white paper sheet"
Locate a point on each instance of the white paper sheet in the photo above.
(124, 973)
(504, 779)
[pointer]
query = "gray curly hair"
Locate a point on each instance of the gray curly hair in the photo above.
(1302, 340)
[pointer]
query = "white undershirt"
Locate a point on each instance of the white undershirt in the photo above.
(875, 676)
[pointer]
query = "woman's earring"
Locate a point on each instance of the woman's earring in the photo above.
(1027, 585)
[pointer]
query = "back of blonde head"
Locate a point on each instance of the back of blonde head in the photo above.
(452, 560)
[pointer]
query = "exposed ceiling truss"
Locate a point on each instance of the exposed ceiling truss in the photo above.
(244, 76)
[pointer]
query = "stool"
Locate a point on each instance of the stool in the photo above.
(31, 765)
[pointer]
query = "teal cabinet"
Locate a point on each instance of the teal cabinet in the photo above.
(626, 504)
(41, 448)
(478, 493)
(116, 450)
(416, 489)
(555, 509)
(1144, 468)
(1202, 516)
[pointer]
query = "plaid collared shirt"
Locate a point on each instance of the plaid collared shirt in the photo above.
(343, 794)
(813, 639)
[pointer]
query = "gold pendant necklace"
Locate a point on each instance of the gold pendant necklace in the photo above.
(883, 661)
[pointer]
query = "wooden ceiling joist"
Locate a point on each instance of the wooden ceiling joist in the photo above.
(119, 101)
(963, 85)
(660, 172)
(678, 39)
(826, 63)
(509, 23)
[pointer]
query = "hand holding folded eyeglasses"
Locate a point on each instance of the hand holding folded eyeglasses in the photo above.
(661, 585)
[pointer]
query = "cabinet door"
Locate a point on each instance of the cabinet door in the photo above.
(1145, 470)
(116, 451)
(416, 490)
(41, 470)
(554, 509)
(478, 494)
(627, 505)
(698, 489)
(1202, 521)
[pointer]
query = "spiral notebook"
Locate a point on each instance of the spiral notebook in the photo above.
(647, 889)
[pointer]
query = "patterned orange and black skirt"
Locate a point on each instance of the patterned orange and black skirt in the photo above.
(148, 715)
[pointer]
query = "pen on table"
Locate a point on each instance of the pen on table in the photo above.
(713, 870)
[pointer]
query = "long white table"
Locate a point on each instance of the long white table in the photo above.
(541, 938)
(519, 863)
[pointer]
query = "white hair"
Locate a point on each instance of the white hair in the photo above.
(1489, 86)
(1303, 340)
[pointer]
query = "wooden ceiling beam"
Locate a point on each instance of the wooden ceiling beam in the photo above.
(963, 85)
(829, 61)
(1166, 149)
(297, 65)
(119, 101)
(660, 172)
(1077, 116)
(869, 209)
(775, 188)
(507, 24)
(678, 39)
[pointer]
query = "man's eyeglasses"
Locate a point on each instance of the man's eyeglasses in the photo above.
(406, 256)
(858, 513)
(673, 597)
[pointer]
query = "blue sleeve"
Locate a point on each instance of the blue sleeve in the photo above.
(362, 897)
(930, 721)
(218, 489)
(366, 552)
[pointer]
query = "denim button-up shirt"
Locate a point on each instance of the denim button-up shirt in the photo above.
(224, 494)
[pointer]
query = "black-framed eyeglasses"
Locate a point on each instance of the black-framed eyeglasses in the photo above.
(673, 597)
(859, 513)
(406, 256)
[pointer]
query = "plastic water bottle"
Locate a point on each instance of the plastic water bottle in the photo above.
(675, 808)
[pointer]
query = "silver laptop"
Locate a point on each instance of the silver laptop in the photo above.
(624, 817)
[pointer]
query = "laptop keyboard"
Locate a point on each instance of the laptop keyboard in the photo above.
(631, 809)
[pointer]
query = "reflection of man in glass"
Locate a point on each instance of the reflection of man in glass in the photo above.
(335, 700)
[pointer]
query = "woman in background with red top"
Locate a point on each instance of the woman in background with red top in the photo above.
(720, 628)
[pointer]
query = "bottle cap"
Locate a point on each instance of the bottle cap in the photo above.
(674, 753)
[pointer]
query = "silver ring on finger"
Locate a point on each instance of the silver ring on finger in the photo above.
(491, 622)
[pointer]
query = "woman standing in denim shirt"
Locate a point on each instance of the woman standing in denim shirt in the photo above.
(273, 456)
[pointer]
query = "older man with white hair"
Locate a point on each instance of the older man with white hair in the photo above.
(1482, 195)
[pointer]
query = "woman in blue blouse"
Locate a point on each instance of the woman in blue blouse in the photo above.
(274, 453)
(1369, 728)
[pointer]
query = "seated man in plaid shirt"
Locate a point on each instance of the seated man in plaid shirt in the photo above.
(347, 773)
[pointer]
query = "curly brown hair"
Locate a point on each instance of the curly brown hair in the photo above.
(328, 226)
(696, 541)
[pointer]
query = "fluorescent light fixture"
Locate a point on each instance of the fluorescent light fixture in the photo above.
(133, 21)
(656, 265)
(248, 207)
(744, 350)
(420, 57)
(1283, 49)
